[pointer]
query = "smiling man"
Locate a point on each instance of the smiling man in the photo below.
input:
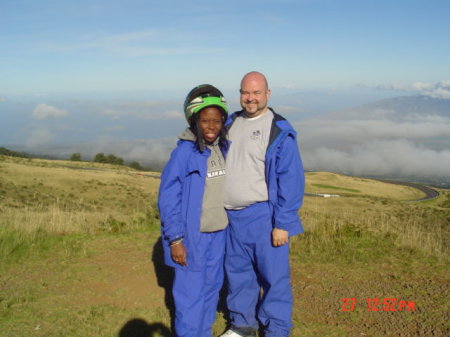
(263, 191)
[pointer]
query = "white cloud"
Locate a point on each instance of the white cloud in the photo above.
(357, 131)
(380, 157)
(144, 110)
(2, 99)
(438, 90)
(44, 111)
(149, 152)
(138, 43)
(439, 93)
(415, 145)
(420, 86)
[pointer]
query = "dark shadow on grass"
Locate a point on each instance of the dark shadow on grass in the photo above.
(164, 276)
(139, 328)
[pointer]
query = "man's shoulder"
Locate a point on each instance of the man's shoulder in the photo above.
(281, 122)
(276, 115)
(233, 116)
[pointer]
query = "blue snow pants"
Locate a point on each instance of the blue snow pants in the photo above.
(196, 293)
(252, 263)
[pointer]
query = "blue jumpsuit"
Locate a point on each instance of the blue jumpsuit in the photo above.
(196, 287)
(251, 261)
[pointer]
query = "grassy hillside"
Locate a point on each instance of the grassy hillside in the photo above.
(80, 256)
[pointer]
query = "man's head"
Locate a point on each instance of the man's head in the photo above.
(255, 93)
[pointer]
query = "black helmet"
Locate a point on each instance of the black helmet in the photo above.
(202, 96)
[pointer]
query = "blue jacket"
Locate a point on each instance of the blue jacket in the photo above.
(180, 201)
(284, 173)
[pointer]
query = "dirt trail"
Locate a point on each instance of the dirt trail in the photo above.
(126, 271)
(133, 275)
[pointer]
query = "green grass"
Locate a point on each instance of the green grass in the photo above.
(79, 256)
(329, 187)
(17, 246)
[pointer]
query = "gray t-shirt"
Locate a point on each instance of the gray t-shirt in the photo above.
(245, 182)
(213, 216)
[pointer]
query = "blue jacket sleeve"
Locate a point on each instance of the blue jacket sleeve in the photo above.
(291, 184)
(170, 196)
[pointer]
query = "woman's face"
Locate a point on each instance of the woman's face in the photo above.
(210, 122)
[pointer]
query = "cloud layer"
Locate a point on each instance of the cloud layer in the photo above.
(380, 142)
(438, 90)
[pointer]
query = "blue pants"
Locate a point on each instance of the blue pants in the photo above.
(252, 263)
(196, 293)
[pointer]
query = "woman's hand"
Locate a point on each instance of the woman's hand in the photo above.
(178, 253)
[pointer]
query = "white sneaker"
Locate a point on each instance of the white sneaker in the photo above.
(230, 333)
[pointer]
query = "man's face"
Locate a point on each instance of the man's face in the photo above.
(254, 95)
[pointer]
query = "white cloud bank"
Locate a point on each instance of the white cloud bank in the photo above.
(44, 111)
(148, 152)
(439, 90)
(136, 43)
(146, 110)
(394, 157)
(386, 143)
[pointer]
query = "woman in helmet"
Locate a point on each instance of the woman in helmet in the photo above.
(192, 214)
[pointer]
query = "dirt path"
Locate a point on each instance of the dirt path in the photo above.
(131, 275)
(125, 275)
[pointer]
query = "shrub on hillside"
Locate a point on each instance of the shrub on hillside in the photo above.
(109, 159)
(75, 157)
(6, 152)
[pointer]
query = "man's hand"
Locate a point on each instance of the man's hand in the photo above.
(279, 237)
(178, 253)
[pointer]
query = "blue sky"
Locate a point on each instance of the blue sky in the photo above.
(96, 45)
(110, 76)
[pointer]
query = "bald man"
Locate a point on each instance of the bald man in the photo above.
(264, 189)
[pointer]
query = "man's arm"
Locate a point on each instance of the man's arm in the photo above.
(279, 237)
(290, 188)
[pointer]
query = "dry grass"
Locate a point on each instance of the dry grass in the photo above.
(421, 225)
(316, 182)
(65, 200)
(47, 195)
(75, 247)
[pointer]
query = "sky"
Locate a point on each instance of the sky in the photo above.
(118, 71)
(96, 45)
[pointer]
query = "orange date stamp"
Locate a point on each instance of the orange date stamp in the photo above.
(376, 304)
